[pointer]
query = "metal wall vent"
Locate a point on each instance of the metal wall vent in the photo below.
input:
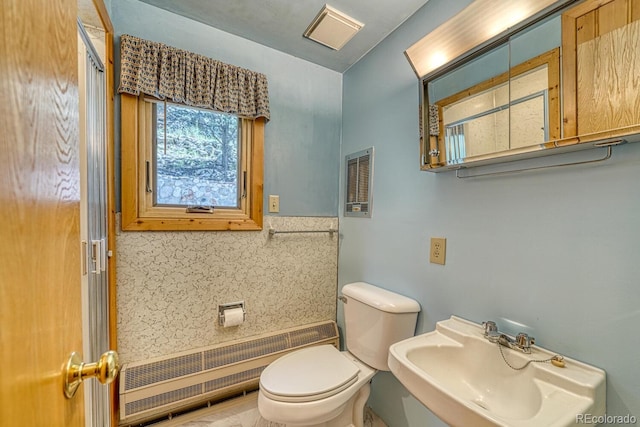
(359, 177)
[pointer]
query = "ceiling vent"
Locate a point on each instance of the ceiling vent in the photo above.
(332, 28)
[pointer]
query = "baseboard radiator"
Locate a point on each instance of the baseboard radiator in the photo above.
(161, 386)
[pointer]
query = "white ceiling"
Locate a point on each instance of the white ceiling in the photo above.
(280, 24)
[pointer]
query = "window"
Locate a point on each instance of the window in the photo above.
(186, 168)
(195, 157)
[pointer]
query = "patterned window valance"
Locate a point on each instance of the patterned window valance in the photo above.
(188, 78)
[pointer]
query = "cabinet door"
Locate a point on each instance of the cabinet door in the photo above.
(601, 64)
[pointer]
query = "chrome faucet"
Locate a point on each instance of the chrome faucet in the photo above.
(491, 331)
(522, 342)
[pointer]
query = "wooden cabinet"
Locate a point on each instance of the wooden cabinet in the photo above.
(601, 69)
(595, 103)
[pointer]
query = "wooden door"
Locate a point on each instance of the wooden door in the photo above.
(40, 309)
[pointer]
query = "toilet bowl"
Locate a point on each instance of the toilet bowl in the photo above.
(313, 386)
(321, 386)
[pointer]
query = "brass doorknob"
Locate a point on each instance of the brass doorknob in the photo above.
(75, 371)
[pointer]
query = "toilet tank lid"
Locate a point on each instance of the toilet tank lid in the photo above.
(381, 299)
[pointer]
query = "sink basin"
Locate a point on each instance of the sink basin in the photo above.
(462, 378)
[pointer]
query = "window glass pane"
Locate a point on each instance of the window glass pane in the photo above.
(196, 157)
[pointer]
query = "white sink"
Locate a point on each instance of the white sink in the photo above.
(462, 378)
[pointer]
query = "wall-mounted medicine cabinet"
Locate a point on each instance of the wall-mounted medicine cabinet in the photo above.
(565, 79)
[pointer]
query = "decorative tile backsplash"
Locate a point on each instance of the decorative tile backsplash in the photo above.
(169, 284)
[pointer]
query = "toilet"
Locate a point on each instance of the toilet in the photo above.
(321, 386)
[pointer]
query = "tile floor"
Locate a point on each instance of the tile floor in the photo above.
(241, 413)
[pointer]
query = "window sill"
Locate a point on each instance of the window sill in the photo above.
(189, 224)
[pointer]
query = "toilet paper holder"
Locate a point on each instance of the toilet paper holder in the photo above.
(228, 306)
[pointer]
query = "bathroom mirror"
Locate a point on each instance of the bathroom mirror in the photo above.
(502, 99)
(562, 80)
(468, 108)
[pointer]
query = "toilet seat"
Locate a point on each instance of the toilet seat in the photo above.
(308, 375)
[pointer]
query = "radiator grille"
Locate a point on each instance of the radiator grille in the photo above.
(310, 335)
(163, 370)
(246, 350)
(251, 374)
(163, 399)
(359, 178)
(153, 389)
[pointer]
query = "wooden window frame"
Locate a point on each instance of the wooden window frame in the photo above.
(137, 212)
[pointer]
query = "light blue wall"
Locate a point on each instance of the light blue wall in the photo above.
(107, 4)
(557, 250)
(302, 140)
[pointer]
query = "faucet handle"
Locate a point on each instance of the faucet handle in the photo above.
(489, 327)
(524, 341)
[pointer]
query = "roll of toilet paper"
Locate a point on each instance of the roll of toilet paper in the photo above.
(233, 317)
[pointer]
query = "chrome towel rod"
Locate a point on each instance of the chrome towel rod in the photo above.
(273, 231)
(607, 156)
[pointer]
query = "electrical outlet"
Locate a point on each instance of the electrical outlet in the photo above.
(274, 204)
(438, 250)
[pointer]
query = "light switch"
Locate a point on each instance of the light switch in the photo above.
(274, 204)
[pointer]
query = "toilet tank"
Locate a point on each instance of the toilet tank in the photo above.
(374, 319)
